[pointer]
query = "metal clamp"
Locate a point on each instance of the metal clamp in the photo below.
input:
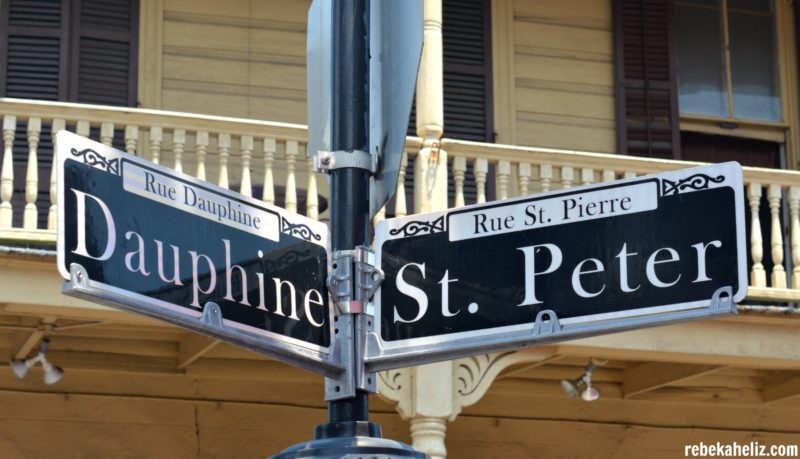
(329, 160)
(354, 279)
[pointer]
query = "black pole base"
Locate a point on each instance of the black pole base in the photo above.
(356, 439)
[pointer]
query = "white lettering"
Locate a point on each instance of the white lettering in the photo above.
(414, 292)
(530, 269)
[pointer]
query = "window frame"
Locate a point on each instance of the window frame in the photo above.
(783, 131)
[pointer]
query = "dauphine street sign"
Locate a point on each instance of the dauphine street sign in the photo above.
(559, 265)
(147, 239)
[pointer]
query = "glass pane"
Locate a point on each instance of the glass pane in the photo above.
(753, 66)
(701, 75)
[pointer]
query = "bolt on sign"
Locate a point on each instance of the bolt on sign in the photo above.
(560, 265)
(141, 237)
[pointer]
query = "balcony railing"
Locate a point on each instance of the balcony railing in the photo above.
(269, 160)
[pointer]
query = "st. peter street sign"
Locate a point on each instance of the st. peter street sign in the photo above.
(150, 240)
(559, 265)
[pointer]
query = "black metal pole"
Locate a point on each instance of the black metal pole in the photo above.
(348, 431)
(350, 132)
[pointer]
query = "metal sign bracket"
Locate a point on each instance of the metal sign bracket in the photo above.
(327, 161)
(352, 283)
(351, 291)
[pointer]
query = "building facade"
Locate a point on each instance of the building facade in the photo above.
(513, 97)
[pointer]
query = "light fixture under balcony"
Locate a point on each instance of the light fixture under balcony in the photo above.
(582, 386)
(52, 373)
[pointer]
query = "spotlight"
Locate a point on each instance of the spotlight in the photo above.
(570, 387)
(21, 367)
(582, 386)
(52, 373)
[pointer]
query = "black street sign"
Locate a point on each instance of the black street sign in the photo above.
(560, 265)
(144, 238)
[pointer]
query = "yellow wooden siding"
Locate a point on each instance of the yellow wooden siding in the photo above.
(235, 58)
(564, 74)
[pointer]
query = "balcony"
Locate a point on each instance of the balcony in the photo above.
(268, 160)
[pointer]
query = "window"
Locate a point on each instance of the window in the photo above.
(727, 65)
(69, 50)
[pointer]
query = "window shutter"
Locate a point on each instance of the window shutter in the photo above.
(105, 46)
(647, 105)
(32, 54)
(467, 70)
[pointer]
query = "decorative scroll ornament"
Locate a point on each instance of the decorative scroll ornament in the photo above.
(694, 182)
(299, 230)
(471, 372)
(394, 386)
(415, 227)
(95, 159)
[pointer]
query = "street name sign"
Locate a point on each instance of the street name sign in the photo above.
(560, 265)
(144, 238)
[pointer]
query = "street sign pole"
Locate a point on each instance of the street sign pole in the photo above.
(349, 185)
(350, 164)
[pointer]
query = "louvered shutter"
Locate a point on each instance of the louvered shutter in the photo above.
(467, 70)
(646, 81)
(32, 54)
(105, 46)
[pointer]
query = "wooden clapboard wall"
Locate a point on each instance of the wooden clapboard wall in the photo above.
(564, 74)
(235, 58)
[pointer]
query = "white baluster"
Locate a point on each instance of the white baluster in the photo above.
(201, 145)
(291, 188)
(567, 176)
(459, 172)
(312, 200)
(546, 176)
(503, 173)
(106, 133)
(524, 177)
(82, 128)
(400, 208)
(268, 193)
(246, 144)
(131, 138)
(587, 176)
(758, 277)
(609, 175)
(58, 125)
(629, 175)
(481, 170)
(32, 177)
(156, 136)
(778, 272)
(224, 145)
(178, 145)
(794, 211)
(7, 174)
